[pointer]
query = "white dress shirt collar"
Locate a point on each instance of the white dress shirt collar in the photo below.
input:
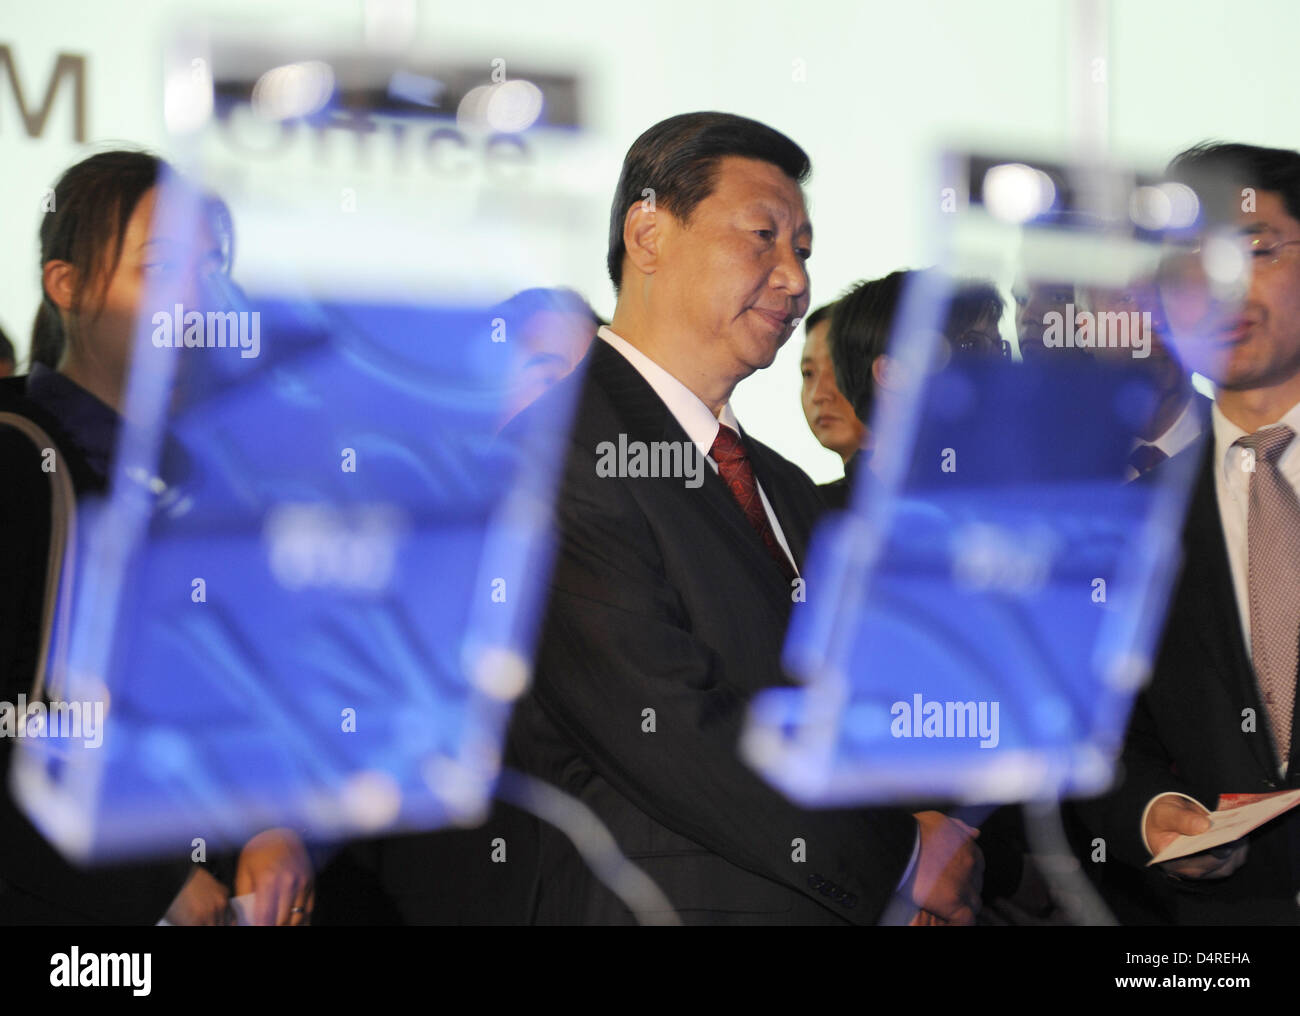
(696, 418)
(1226, 433)
(1183, 431)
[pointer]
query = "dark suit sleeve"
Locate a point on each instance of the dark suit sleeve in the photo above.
(1145, 771)
(40, 887)
(37, 886)
(618, 641)
(24, 550)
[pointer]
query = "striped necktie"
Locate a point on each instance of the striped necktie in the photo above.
(1273, 555)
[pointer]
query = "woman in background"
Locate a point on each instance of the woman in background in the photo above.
(828, 413)
(99, 249)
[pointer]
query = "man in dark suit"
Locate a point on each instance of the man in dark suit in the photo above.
(1219, 714)
(671, 593)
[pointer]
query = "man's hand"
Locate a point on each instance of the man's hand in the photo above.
(949, 871)
(1172, 816)
(202, 901)
(274, 865)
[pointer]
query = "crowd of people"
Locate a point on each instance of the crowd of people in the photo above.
(676, 600)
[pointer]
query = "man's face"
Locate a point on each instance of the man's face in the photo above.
(982, 338)
(1133, 302)
(734, 278)
(1259, 347)
(1036, 299)
(829, 415)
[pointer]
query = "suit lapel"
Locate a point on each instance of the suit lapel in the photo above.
(779, 497)
(643, 416)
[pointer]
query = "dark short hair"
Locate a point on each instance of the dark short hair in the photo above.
(677, 159)
(7, 354)
(1268, 169)
(860, 326)
(821, 314)
(971, 300)
(862, 321)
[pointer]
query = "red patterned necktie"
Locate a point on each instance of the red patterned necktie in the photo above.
(1273, 578)
(729, 453)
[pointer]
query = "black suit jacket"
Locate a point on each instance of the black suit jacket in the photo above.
(664, 598)
(1186, 736)
(37, 886)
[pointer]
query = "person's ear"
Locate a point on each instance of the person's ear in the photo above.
(59, 279)
(885, 372)
(642, 236)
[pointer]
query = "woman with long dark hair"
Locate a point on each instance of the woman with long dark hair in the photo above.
(100, 245)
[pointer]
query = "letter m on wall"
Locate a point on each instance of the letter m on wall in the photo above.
(66, 65)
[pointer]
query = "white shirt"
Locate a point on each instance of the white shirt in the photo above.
(1181, 433)
(1232, 485)
(695, 417)
(1232, 489)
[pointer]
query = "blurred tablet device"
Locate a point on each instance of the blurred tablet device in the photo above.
(310, 596)
(976, 627)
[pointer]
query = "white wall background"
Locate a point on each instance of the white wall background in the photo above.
(883, 84)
